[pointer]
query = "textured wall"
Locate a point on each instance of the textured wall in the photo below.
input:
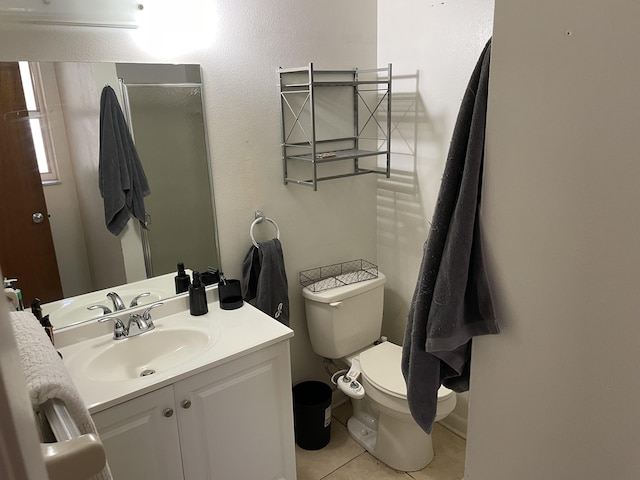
(251, 40)
(555, 396)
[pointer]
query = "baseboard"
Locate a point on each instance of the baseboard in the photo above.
(456, 423)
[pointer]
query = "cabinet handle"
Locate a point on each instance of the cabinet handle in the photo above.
(186, 404)
(168, 412)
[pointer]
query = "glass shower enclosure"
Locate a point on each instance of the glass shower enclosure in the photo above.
(168, 125)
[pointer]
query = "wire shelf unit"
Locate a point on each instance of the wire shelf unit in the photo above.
(338, 275)
(333, 116)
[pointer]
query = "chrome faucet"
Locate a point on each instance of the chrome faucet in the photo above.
(118, 304)
(142, 322)
(134, 302)
(105, 310)
(119, 330)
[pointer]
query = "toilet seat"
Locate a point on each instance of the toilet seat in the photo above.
(381, 368)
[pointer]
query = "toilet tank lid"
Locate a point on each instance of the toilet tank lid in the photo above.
(340, 293)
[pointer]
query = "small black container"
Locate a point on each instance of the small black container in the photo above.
(210, 277)
(197, 297)
(312, 414)
(182, 279)
(230, 294)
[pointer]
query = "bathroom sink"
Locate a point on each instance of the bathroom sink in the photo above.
(140, 356)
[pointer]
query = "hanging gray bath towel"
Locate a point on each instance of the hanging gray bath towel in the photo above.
(265, 280)
(452, 301)
(123, 184)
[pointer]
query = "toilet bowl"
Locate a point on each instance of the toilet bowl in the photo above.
(381, 421)
(344, 322)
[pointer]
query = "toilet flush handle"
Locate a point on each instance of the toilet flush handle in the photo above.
(335, 304)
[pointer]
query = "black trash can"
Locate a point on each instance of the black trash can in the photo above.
(312, 414)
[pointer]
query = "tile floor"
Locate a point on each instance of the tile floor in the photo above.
(344, 459)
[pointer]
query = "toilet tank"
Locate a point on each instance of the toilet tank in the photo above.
(343, 320)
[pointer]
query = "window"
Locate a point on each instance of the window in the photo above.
(40, 131)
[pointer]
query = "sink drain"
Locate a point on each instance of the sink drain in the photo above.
(147, 372)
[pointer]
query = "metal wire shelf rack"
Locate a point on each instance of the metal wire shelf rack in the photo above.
(335, 123)
(338, 275)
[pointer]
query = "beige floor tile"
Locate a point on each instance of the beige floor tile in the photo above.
(447, 442)
(448, 462)
(344, 459)
(317, 464)
(367, 467)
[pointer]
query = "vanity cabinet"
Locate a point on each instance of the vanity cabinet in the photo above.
(232, 422)
(340, 118)
(141, 438)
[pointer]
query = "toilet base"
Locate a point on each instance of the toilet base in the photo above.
(399, 443)
(362, 433)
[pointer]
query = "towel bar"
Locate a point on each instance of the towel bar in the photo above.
(60, 421)
(259, 218)
(74, 455)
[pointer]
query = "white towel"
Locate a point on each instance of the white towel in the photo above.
(46, 375)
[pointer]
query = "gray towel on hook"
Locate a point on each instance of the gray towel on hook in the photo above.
(452, 301)
(123, 183)
(265, 280)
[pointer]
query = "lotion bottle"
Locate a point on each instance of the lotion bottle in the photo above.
(197, 297)
(13, 293)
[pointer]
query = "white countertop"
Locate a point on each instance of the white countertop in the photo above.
(233, 333)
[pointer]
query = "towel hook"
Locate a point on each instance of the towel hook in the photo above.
(260, 218)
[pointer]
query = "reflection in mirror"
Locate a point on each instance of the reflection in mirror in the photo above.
(163, 104)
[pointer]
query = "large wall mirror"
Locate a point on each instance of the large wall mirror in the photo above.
(49, 193)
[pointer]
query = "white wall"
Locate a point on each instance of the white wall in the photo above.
(61, 197)
(434, 47)
(80, 86)
(252, 39)
(555, 396)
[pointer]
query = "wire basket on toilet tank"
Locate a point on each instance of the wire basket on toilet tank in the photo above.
(338, 275)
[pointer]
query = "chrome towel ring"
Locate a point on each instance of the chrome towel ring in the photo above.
(260, 218)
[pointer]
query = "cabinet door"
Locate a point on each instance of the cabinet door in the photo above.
(239, 422)
(141, 439)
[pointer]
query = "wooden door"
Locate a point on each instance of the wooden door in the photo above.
(26, 247)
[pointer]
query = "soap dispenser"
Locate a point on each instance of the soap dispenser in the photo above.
(182, 279)
(197, 297)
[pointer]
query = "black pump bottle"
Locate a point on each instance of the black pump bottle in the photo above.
(182, 279)
(197, 297)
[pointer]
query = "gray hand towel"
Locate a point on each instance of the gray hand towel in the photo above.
(264, 278)
(123, 183)
(250, 274)
(452, 301)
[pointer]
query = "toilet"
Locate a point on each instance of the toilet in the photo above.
(345, 323)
